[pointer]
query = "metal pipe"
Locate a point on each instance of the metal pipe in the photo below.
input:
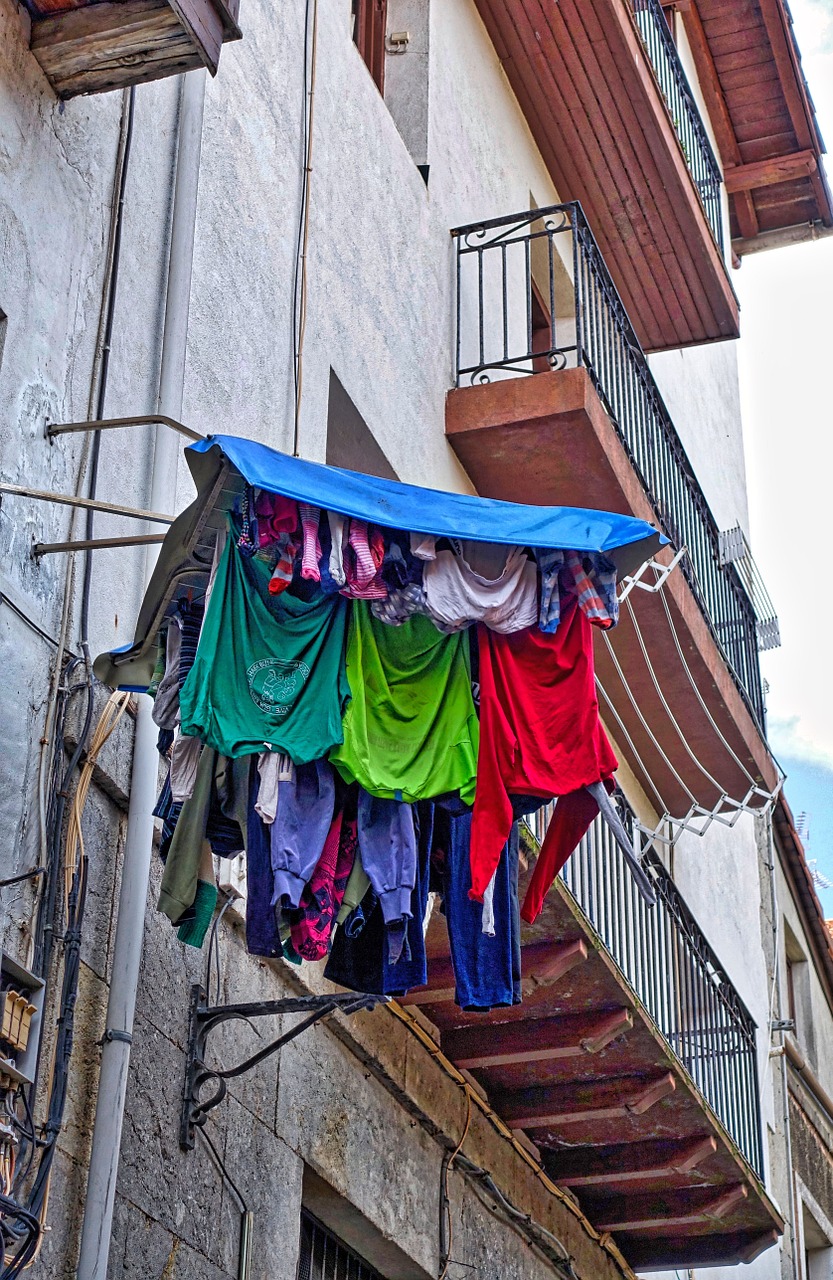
(87, 504)
(127, 950)
(106, 424)
(785, 1087)
(96, 544)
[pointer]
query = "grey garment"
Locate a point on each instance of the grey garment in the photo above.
(388, 851)
(303, 818)
(185, 756)
(273, 767)
(165, 711)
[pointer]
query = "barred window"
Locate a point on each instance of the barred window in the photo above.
(324, 1257)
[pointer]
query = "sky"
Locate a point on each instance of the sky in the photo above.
(786, 356)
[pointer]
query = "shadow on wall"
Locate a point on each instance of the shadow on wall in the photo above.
(350, 442)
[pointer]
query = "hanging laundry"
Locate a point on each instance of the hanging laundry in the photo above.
(590, 576)
(357, 889)
(322, 897)
(487, 968)
(410, 728)
(179, 881)
(303, 818)
(388, 847)
(262, 932)
(336, 562)
(273, 767)
(248, 539)
(275, 515)
(185, 755)
(540, 729)
(363, 557)
(361, 958)
(311, 549)
(482, 582)
(166, 701)
(423, 546)
(282, 563)
(266, 675)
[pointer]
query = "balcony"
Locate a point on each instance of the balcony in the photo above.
(608, 103)
(630, 1065)
(589, 428)
(85, 47)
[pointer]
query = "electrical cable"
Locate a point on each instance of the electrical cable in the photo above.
(447, 1244)
(300, 282)
(244, 1208)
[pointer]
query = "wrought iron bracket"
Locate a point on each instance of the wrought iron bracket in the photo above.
(203, 1020)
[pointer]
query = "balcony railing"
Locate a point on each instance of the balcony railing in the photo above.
(688, 124)
(665, 957)
(534, 293)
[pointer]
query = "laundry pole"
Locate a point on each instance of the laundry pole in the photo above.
(127, 951)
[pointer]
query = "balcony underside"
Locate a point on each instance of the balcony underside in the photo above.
(584, 83)
(582, 1070)
(750, 75)
(547, 439)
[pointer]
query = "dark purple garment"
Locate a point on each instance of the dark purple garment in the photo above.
(262, 936)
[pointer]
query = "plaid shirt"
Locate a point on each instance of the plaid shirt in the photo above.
(591, 577)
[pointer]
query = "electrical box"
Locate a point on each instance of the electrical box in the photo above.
(21, 1016)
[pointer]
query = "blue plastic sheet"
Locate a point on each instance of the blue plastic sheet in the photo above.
(432, 511)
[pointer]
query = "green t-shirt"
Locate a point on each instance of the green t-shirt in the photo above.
(269, 670)
(410, 728)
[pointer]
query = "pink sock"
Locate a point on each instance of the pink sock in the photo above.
(310, 517)
(365, 564)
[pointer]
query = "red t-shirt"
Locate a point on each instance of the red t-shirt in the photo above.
(540, 732)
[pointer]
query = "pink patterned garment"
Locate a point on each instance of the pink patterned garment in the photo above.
(363, 556)
(322, 898)
(310, 517)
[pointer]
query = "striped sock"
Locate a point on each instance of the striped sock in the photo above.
(310, 517)
(282, 575)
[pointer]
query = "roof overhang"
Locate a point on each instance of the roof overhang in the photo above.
(749, 70)
(595, 109)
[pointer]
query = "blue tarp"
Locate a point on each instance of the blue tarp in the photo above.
(409, 507)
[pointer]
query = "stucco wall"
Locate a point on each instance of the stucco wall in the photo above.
(380, 310)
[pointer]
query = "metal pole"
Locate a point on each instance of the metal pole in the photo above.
(127, 950)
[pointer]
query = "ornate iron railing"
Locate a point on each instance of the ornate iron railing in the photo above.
(666, 958)
(682, 107)
(534, 293)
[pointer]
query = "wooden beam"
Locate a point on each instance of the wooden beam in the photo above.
(541, 962)
(759, 1245)
(643, 1213)
(764, 173)
(718, 112)
(535, 1040)
(632, 1162)
(588, 1100)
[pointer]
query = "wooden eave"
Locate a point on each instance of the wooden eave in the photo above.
(749, 70)
(547, 439)
(97, 46)
(583, 80)
(581, 1069)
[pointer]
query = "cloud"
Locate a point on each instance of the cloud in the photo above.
(790, 738)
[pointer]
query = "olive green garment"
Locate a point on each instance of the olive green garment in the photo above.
(269, 671)
(410, 728)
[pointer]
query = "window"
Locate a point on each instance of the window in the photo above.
(324, 1257)
(370, 19)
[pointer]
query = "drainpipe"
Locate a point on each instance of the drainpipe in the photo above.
(127, 949)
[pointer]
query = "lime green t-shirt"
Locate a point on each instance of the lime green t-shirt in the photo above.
(410, 728)
(269, 670)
